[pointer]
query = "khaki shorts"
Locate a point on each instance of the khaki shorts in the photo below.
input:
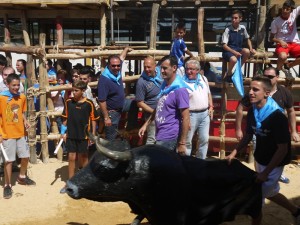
(15, 146)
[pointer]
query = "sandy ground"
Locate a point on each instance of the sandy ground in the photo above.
(44, 205)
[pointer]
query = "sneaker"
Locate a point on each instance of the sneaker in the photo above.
(7, 192)
(284, 179)
(26, 181)
(287, 73)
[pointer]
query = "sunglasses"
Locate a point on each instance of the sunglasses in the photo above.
(269, 76)
(118, 65)
(76, 76)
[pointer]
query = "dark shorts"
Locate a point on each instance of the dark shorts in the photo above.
(79, 146)
(227, 55)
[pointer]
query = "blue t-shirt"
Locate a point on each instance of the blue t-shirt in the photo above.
(111, 92)
(178, 49)
(147, 91)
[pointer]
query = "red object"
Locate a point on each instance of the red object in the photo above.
(229, 132)
(231, 105)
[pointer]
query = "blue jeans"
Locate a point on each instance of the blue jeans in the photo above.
(169, 144)
(111, 132)
(200, 122)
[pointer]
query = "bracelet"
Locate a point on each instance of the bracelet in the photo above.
(181, 143)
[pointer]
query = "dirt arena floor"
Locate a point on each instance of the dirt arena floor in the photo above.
(44, 205)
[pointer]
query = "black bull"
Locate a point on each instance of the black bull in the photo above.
(166, 188)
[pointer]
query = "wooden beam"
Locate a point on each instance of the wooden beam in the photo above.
(153, 25)
(102, 26)
(200, 32)
(43, 78)
(7, 39)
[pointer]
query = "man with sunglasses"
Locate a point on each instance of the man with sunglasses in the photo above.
(284, 99)
(111, 95)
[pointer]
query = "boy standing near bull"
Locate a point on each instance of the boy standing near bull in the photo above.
(78, 112)
(273, 143)
(12, 132)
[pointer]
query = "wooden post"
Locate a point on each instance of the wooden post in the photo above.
(153, 25)
(200, 33)
(30, 99)
(102, 26)
(261, 28)
(43, 78)
(7, 39)
(223, 112)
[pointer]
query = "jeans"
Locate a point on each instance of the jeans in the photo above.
(151, 133)
(199, 122)
(111, 132)
(169, 144)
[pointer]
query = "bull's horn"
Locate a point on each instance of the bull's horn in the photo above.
(115, 155)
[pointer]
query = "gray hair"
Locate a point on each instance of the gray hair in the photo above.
(193, 61)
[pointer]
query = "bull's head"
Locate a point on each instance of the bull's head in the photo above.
(100, 143)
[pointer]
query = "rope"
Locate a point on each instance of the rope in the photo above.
(55, 47)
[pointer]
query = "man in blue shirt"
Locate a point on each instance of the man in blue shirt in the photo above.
(111, 94)
(147, 90)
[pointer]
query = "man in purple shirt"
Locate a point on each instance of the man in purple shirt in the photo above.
(172, 112)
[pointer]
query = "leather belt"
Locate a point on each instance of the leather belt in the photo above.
(198, 111)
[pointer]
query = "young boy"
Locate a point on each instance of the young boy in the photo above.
(178, 48)
(284, 34)
(12, 132)
(232, 40)
(273, 143)
(78, 112)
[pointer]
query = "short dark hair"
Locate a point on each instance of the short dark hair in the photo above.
(289, 3)
(3, 60)
(272, 68)
(87, 70)
(173, 60)
(265, 80)
(113, 57)
(80, 85)
(180, 26)
(12, 77)
(239, 12)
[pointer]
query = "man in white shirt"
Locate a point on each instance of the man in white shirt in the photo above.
(201, 107)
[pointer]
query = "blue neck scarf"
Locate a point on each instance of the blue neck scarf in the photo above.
(261, 114)
(156, 80)
(9, 95)
(197, 82)
(111, 76)
(177, 83)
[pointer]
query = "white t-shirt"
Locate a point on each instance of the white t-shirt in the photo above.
(59, 103)
(199, 97)
(286, 30)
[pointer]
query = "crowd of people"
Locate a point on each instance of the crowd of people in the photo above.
(176, 101)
